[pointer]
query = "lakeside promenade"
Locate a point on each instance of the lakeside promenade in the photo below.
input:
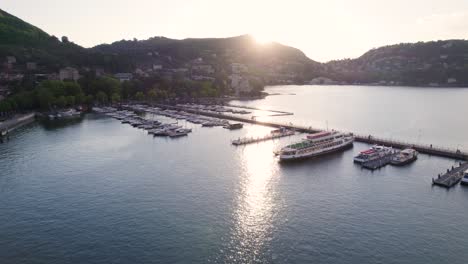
(15, 122)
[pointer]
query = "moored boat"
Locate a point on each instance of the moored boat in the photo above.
(316, 144)
(234, 126)
(374, 153)
(404, 157)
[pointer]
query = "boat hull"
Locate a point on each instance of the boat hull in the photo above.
(404, 162)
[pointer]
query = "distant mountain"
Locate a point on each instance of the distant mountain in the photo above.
(437, 63)
(271, 61)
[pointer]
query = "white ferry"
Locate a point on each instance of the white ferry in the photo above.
(316, 144)
(373, 153)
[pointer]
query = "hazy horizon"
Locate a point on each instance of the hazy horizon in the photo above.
(336, 29)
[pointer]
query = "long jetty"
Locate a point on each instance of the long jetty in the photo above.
(250, 140)
(422, 148)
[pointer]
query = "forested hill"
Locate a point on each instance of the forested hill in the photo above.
(31, 44)
(436, 63)
(267, 60)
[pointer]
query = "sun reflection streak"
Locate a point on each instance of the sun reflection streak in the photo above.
(257, 204)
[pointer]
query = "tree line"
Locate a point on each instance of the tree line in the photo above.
(90, 90)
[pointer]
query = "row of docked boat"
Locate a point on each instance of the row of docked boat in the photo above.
(189, 117)
(153, 127)
(214, 108)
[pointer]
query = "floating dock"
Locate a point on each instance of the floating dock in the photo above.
(250, 140)
(451, 177)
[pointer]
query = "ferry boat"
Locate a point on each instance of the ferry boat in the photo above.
(316, 144)
(404, 157)
(376, 152)
(464, 180)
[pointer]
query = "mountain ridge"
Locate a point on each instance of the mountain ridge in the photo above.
(435, 63)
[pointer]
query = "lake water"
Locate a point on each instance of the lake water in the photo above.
(97, 191)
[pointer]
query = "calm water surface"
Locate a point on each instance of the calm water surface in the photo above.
(97, 191)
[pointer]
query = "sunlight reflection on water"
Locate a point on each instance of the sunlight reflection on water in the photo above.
(257, 204)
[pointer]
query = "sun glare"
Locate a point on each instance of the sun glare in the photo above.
(262, 38)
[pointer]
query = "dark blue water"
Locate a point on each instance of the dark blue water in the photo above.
(97, 191)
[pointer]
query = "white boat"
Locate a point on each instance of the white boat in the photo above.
(404, 157)
(178, 133)
(464, 180)
(376, 152)
(317, 144)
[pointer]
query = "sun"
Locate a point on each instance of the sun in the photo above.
(262, 38)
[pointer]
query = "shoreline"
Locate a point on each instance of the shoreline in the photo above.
(16, 122)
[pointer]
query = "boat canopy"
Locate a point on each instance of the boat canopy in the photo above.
(369, 151)
(319, 135)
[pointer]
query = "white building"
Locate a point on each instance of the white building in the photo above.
(11, 59)
(239, 68)
(69, 73)
(240, 84)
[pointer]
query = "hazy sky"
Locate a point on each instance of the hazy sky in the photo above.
(323, 29)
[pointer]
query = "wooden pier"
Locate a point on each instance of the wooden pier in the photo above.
(421, 148)
(451, 177)
(250, 140)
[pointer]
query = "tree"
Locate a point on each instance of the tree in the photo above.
(5, 106)
(102, 97)
(70, 100)
(152, 94)
(60, 101)
(140, 96)
(89, 99)
(115, 98)
(45, 97)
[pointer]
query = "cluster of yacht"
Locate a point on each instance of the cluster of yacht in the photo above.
(213, 108)
(129, 116)
(182, 115)
(153, 127)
